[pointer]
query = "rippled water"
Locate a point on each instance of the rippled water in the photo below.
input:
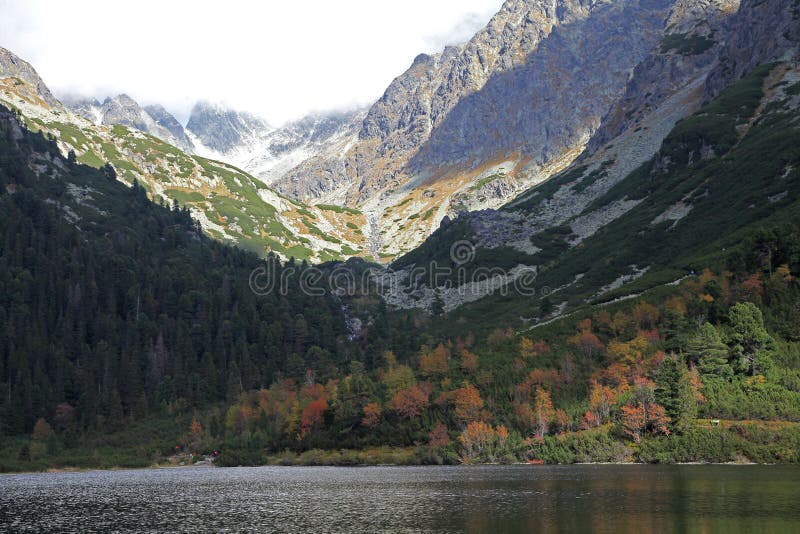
(498, 499)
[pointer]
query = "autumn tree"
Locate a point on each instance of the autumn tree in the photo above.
(529, 349)
(630, 352)
(194, 437)
(480, 440)
(314, 401)
(398, 377)
(372, 415)
(469, 361)
(585, 341)
(643, 413)
(562, 421)
(646, 315)
(601, 400)
(634, 421)
(467, 403)
(312, 417)
(410, 402)
(278, 404)
(435, 362)
(543, 413)
(41, 430)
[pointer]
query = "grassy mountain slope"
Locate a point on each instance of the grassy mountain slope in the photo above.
(231, 205)
(718, 175)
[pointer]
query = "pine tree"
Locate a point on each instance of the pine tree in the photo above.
(752, 343)
(707, 349)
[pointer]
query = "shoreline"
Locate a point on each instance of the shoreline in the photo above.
(66, 470)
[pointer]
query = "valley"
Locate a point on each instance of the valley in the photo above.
(573, 238)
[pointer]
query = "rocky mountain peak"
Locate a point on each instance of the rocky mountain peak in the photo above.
(12, 66)
(167, 121)
(124, 110)
(224, 130)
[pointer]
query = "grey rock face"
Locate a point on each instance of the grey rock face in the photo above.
(124, 110)
(762, 31)
(295, 142)
(666, 70)
(556, 99)
(88, 108)
(224, 130)
(313, 129)
(13, 66)
(166, 120)
(535, 82)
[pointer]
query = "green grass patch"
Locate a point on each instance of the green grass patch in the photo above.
(338, 209)
(685, 45)
(486, 180)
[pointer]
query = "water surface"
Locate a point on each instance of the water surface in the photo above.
(599, 498)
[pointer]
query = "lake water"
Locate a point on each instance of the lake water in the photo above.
(599, 498)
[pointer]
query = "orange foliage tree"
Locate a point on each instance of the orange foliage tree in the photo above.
(479, 439)
(41, 430)
(601, 400)
(372, 415)
(585, 341)
(543, 412)
(410, 402)
(630, 352)
(315, 399)
(467, 403)
(469, 361)
(434, 362)
(634, 421)
(312, 416)
(642, 413)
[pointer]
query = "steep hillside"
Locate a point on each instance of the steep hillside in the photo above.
(476, 125)
(727, 169)
(113, 306)
(230, 204)
(123, 110)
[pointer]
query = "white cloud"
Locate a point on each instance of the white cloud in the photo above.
(278, 59)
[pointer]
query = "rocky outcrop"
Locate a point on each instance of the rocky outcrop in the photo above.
(123, 110)
(288, 146)
(168, 122)
(762, 31)
(11, 66)
(420, 99)
(476, 125)
(226, 131)
(86, 107)
(693, 37)
(556, 99)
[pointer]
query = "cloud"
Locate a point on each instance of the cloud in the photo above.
(278, 59)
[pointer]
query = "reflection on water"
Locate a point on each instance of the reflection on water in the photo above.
(606, 498)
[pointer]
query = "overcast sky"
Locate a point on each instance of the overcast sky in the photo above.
(280, 59)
